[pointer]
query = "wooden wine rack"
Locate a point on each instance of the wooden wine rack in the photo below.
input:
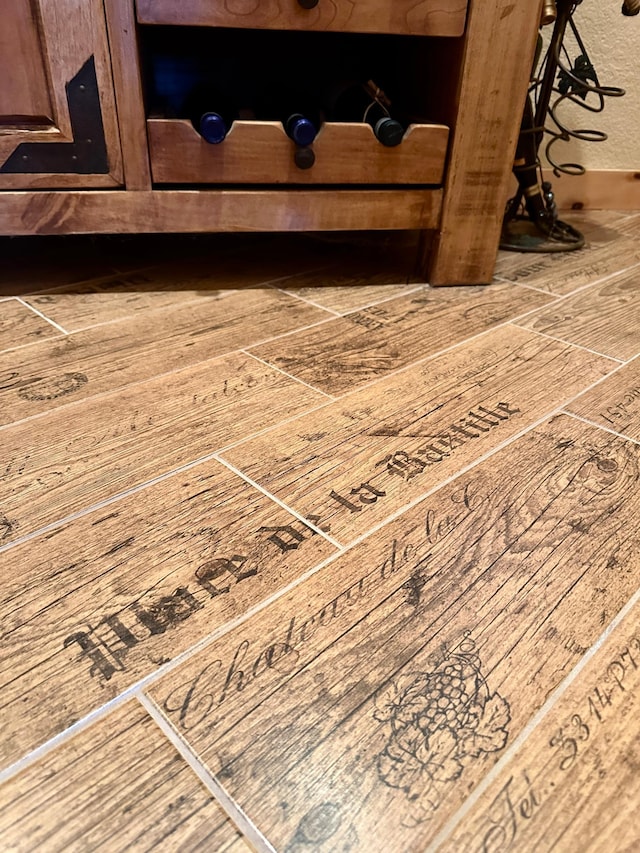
(257, 152)
(448, 179)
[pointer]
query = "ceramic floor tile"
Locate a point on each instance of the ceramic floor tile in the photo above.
(356, 461)
(94, 605)
(573, 785)
(111, 356)
(566, 272)
(71, 459)
(369, 702)
(368, 344)
(614, 403)
(119, 786)
(20, 326)
(604, 317)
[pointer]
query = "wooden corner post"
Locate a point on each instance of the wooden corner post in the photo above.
(500, 44)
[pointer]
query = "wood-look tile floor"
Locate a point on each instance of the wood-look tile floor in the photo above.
(299, 554)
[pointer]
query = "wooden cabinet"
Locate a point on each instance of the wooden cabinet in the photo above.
(57, 113)
(466, 64)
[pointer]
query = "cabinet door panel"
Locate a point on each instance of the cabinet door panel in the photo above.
(57, 115)
(24, 92)
(409, 17)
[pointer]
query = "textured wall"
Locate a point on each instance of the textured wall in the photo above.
(613, 43)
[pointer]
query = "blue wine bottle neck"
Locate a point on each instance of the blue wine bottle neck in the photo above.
(213, 128)
(301, 129)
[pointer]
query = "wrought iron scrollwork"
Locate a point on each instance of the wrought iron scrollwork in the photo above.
(556, 81)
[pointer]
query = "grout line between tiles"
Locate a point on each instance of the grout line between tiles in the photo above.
(141, 684)
(126, 273)
(146, 681)
(216, 455)
(410, 288)
(104, 503)
(510, 320)
(530, 726)
(620, 361)
(288, 375)
(201, 460)
(262, 285)
(464, 470)
(600, 426)
(280, 503)
(37, 290)
(582, 286)
(407, 367)
(528, 286)
(155, 376)
(226, 802)
(558, 410)
(43, 316)
(308, 301)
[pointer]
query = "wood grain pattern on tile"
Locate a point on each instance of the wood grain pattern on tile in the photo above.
(599, 226)
(573, 785)
(67, 461)
(118, 297)
(19, 326)
(604, 317)
(372, 699)
(630, 226)
(368, 344)
(111, 356)
(358, 460)
(100, 602)
(563, 272)
(614, 403)
(356, 282)
(178, 281)
(118, 785)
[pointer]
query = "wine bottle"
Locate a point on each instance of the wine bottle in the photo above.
(211, 112)
(300, 118)
(366, 102)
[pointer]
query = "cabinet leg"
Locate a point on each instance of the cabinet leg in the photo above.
(500, 44)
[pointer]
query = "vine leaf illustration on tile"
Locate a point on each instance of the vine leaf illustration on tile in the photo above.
(440, 721)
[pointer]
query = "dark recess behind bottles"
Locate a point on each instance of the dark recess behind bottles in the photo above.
(420, 75)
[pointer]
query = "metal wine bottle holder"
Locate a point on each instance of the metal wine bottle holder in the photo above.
(531, 221)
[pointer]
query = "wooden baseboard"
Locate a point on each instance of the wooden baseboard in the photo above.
(597, 189)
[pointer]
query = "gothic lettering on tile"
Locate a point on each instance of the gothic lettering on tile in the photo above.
(212, 685)
(371, 318)
(230, 569)
(365, 493)
(108, 643)
(402, 464)
(529, 270)
(104, 660)
(286, 537)
(439, 722)
(168, 611)
(407, 464)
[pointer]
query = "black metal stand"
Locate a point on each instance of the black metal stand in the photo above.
(531, 221)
